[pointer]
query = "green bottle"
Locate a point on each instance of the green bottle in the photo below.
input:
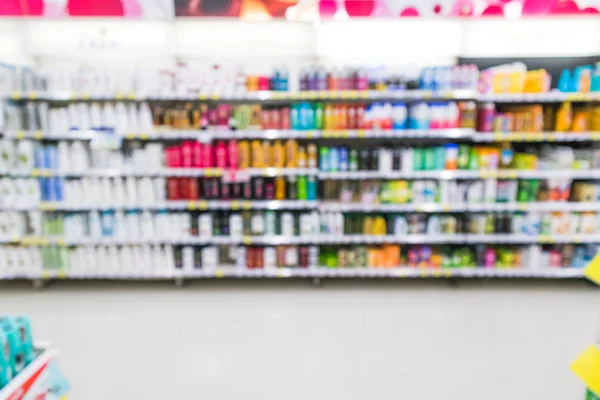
(319, 116)
(301, 191)
(591, 395)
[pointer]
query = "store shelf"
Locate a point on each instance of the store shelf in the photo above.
(190, 240)
(460, 207)
(210, 134)
(176, 205)
(32, 378)
(536, 137)
(547, 97)
(318, 239)
(378, 239)
(258, 96)
(464, 174)
(526, 239)
(166, 172)
(313, 272)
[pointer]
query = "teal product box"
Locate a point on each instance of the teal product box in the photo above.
(6, 373)
(25, 339)
(17, 359)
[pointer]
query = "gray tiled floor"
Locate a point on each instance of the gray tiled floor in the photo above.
(291, 341)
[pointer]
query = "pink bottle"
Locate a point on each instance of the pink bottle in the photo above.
(221, 154)
(490, 258)
(186, 154)
(485, 120)
(197, 155)
(233, 154)
(207, 157)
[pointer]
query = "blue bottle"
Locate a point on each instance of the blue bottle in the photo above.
(334, 159)
(343, 159)
(311, 188)
(565, 81)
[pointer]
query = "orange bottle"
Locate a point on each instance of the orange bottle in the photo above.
(267, 154)
(244, 154)
(279, 188)
(291, 153)
(278, 154)
(257, 155)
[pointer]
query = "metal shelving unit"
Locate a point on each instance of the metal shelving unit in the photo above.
(453, 134)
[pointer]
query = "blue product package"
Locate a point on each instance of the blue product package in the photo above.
(55, 189)
(52, 157)
(310, 116)
(399, 116)
(26, 338)
(564, 81)
(17, 360)
(311, 188)
(295, 116)
(343, 159)
(40, 156)
(108, 223)
(6, 372)
(57, 184)
(334, 159)
(275, 78)
(283, 82)
(426, 79)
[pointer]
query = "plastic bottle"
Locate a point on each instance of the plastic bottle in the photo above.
(302, 188)
(324, 159)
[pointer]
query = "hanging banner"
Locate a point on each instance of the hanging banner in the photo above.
(294, 9)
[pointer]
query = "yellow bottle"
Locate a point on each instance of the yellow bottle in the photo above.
(280, 188)
(301, 157)
(257, 155)
(312, 156)
(244, 154)
(328, 117)
(368, 225)
(379, 227)
(564, 117)
(291, 153)
(278, 155)
(267, 154)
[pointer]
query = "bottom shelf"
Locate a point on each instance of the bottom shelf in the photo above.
(311, 272)
(41, 379)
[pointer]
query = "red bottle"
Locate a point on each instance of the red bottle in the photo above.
(183, 188)
(172, 189)
(193, 189)
(250, 257)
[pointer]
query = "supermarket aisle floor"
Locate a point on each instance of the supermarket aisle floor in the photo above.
(342, 341)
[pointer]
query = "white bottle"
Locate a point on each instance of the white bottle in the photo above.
(236, 225)
(287, 224)
(121, 126)
(270, 257)
(96, 116)
(95, 225)
(145, 118)
(109, 117)
(205, 225)
(73, 115)
(132, 119)
(25, 159)
(63, 157)
(187, 255)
